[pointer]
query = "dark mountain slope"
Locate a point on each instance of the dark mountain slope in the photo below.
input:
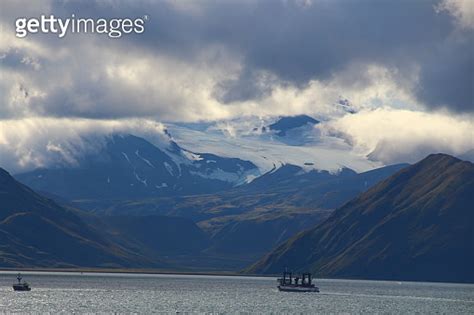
(35, 231)
(161, 234)
(416, 225)
(286, 188)
(128, 167)
(250, 220)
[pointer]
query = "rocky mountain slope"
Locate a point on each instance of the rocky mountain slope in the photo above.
(249, 220)
(416, 225)
(35, 231)
(127, 166)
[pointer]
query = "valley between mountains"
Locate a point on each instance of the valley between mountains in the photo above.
(134, 203)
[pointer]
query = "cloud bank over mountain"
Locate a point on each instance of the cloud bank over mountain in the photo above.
(394, 136)
(409, 63)
(30, 143)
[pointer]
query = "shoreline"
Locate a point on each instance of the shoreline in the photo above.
(137, 271)
(198, 273)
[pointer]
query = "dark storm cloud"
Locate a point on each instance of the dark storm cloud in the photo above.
(447, 75)
(297, 41)
(315, 42)
(249, 85)
(300, 42)
(213, 60)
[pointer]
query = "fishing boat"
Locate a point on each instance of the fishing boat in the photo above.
(299, 283)
(21, 286)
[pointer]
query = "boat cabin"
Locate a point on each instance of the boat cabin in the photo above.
(299, 283)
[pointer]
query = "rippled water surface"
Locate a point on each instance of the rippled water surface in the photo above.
(133, 293)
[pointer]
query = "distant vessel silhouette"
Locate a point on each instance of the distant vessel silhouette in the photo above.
(21, 286)
(301, 283)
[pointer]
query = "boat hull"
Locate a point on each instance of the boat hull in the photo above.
(297, 289)
(21, 288)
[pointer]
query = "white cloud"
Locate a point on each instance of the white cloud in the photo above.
(366, 86)
(41, 142)
(462, 10)
(172, 73)
(394, 136)
(89, 78)
(140, 83)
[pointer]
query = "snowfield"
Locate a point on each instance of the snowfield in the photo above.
(268, 151)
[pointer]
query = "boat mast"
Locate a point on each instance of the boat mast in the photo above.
(19, 277)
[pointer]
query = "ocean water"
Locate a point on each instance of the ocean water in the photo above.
(145, 294)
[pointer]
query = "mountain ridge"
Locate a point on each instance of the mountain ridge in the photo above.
(35, 231)
(131, 167)
(415, 225)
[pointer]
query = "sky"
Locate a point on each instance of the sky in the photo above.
(406, 68)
